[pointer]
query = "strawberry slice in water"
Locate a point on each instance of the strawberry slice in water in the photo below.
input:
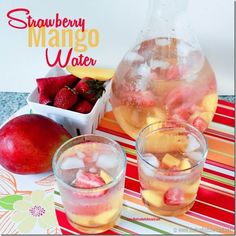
(88, 180)
(200, 123)
(174, 197)
(48, 87)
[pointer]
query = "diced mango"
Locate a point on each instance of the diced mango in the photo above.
(207, 116)
(209, 102)
(170, 161)
(152, 197)
(92, 72)
(106, 217)
(81, 219)
(107, 178)
(165, 142)
(185, 164)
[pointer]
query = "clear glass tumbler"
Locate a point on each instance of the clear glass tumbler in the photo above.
(171, 156)
(90, 173)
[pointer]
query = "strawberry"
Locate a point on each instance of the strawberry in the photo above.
(90, 89)
(88, 180)
(174, 196)
(200, 123)
(65, 98)
(83, 106)
(48, 87)
(139, 98)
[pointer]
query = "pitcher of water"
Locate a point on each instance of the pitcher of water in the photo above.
(165, 75)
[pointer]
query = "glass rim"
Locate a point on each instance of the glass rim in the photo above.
(180, 122)
(94, 189)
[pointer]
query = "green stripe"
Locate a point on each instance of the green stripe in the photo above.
(144, 225)
(125, 231)
(221, 153)
(218, 178)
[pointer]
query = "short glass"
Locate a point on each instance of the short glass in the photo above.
(171, 156)
(90, 173)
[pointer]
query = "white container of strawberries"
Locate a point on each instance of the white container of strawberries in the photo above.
(77, 100)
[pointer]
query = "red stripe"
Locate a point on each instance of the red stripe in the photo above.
(229, 104)
(215, 134)
(218, 174)
(223, 120)
(217, 183)
(132, 185)
(132, 171)
(62, 220)
(215, 198)
(213, 212)
(225, 111)
(215, 163)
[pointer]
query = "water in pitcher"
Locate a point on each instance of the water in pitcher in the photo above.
(162, 79)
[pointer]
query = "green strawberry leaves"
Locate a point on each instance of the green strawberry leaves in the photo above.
(8, 201)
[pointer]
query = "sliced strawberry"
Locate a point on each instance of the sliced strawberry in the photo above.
(140, 99)
(174, 196)
(146, 47)
(48, 87)
(200, 123)
(174, 72)
(88, 180)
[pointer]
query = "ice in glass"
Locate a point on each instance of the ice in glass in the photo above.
(171, 156)
(90, 172)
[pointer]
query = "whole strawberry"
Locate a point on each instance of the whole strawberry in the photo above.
(65, 98)
(90, 89)
(83, 106)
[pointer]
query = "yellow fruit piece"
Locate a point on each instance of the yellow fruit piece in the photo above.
(106, 217)
(155, 115)
(152, 197)
(170, 161)
(209, 102)
(165, 142)
(81, 219)
(107, 178)
(185, 164)
(121, 117)
(207, 116)
(92, 72)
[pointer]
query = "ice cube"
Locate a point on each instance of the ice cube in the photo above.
(80, 154)
(196, 156)
(133, 56)
(152, 160)
(94, 157)
(162, 42)
(93, 170)
(107, 161)
(144, 70)
(72, 163)
(158, 64)
(193, 144)
(183, 50)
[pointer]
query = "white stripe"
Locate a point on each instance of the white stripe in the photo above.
(222, 128)
(219, 169)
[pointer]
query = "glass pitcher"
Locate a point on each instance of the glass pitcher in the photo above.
(165, 75)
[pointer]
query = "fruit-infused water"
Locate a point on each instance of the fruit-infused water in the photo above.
(161, 79)
(90, 174)
(170, 162)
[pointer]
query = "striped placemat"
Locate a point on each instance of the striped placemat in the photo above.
(213, 211)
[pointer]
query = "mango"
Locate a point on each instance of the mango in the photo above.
(106, 216)
(107, 178)
(155, 115)
(170, 161)
(152, 197)
(92, 72)
(209, 102)
(185, 164)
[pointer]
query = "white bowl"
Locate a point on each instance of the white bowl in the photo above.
(75, 123)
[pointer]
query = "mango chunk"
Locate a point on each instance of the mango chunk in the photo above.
(81, 219)
(170, 161)
(155, 115)
(185, 164)
(152, 197)
(106, 217)
(209, 102)
(107, 178)
(92, 72)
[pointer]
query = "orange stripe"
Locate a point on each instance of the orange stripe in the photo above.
(220, 158)
(220, 145)
(110, 125)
